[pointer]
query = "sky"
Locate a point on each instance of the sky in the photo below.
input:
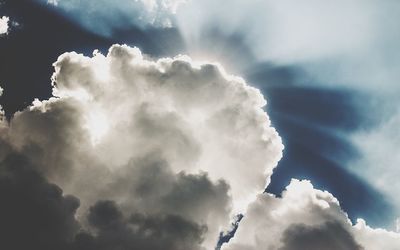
(176, 124)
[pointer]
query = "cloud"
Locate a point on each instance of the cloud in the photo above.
(33, 213)
(305, 218)
(105, 17)
(341, 45)
(140, 231)
(328, 236)
(36, 214)
(4, 25)
(158, 154)
(166, 140)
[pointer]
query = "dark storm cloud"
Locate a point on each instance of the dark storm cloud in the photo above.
(328, 236)
(34, 214)
(138, 231)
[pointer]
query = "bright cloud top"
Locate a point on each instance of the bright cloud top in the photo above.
(4, 25)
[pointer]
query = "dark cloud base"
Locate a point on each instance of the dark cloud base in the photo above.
(328, 236)
(35, 214)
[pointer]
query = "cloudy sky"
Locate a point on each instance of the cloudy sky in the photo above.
(199, 124)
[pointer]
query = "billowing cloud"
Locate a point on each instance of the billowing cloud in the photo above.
(157, 154)
(139, 231)
(36, 214)
(154, 142)
(4, 25)
(305, 218)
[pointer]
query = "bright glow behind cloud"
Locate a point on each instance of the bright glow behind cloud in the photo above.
(105, 17)
(350, 43)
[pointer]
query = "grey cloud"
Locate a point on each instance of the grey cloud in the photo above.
(328, 236)
(34, 214)
(50, 139)
(37, 215)
(138, 231)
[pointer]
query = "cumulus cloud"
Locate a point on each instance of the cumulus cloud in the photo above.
(157, 154)
(305, 218)
(152, 142)
(4, 25)
(105, 17)
(36, 214)
(140, 231)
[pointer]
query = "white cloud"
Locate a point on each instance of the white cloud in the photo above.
(4, 25)
(305, 219)
(171, 136)
(175, 137)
